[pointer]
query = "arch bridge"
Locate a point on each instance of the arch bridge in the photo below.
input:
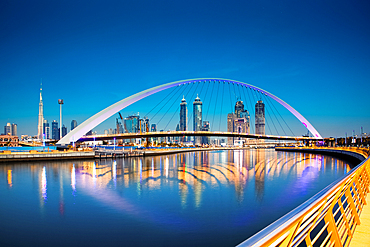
(77, 133)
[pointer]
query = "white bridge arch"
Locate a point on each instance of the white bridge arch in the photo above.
(101, 116)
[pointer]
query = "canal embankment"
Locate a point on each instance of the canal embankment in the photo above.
(33, 155)
(352, 155)
(39, 155)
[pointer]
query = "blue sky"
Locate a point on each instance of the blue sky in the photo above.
(315, 55)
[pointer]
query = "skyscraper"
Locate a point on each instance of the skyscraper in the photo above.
(206, 127)
(64, 130)
(197, 124)
(153, 129)
(8, 129)
(73, 124)
(14, 130)
(238, 122)
(260, 118)
(54, 130)
(131, 125)
(46, 128)
(41, 117)
(183, 117)
(145, 126)
(239, 108)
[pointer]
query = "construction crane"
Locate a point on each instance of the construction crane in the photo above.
(117, 123)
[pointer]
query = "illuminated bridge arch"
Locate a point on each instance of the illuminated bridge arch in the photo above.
(101, 116)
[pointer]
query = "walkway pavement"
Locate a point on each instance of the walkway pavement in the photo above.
(361, 237)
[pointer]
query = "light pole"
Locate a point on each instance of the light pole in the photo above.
(60, 102)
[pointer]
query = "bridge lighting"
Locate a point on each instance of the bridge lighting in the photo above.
(106, 113)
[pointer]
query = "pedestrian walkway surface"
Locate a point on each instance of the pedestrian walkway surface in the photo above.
(361, 237)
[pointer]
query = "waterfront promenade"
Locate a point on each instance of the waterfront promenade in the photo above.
(339, 215)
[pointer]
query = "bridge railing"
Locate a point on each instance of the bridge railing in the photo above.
(327, 219)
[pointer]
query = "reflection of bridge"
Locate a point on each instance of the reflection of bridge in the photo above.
(192, 133)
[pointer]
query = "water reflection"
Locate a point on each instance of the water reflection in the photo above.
(228, 192)
(10, 178)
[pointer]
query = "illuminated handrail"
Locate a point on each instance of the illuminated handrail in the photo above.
(327, 219)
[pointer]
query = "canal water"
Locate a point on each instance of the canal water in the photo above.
(216, 198)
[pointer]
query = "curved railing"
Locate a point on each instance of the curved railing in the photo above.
(327, 219)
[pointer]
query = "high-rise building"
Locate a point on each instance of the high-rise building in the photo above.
(238, 122)
(153, 129)
(239, 108)
(206, 127)
(131, 124)
(73, 124)
(260, 118)
(197, 115)
(14, 130)
(54, 130)
(177, 138)
(145, 126)
(41, 118)
(46, 129)
(8, 129)
(230, 127)
(64, 130)
(183, 117)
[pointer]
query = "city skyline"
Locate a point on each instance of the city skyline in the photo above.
(312, 55)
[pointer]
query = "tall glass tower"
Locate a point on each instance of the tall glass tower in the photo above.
(183, 117)
(41, 118)
(260, 118)
(197, 111)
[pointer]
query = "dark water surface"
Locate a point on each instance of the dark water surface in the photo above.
(217, 198)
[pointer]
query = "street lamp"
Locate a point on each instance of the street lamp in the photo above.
(60, 102)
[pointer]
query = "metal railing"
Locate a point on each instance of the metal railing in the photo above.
(327, 219)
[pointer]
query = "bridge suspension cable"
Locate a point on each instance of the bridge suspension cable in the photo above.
(213, 95)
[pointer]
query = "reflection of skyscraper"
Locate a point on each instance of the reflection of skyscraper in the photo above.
(41, 118)
(197, 111)
(238, 122)
(183, 117)
(260, 118)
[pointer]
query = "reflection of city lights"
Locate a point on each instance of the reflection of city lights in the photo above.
(44, 184)
(94, 170)
(152, 167)
(73, 178)
(114, 170)
(167, 166)
(10, 183)
(141, 170)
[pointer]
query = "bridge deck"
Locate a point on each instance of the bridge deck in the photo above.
(361, 237)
